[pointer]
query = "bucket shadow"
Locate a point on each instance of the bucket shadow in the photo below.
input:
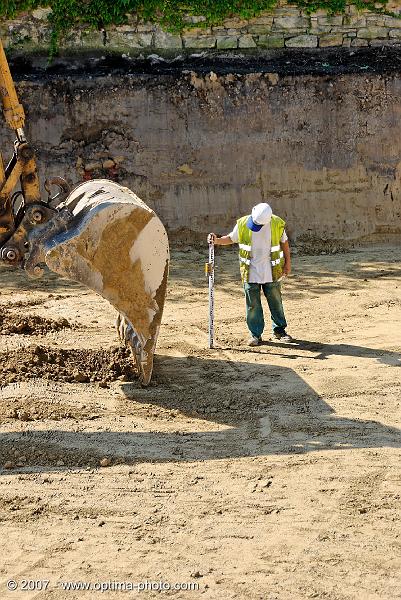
(244, 410)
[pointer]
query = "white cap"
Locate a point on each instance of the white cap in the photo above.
(262, 213)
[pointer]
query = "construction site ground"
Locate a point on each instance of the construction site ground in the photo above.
(254, 473)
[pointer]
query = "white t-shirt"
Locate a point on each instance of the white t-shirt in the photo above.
(260, 269)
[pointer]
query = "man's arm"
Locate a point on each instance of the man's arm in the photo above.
(287, 257)
(225, 240)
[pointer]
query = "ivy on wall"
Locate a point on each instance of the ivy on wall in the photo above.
(169, 13)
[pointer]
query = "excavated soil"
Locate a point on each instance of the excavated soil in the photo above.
(12, 322)
(268, 472)
(66, 365)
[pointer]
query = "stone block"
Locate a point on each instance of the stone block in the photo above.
(381, 43)
(358, 42)
(392, 23)
(140, 40)
(330, 20)
(206, 41)
(128, 40)
(227, 41)
(326, 41)
(371, 33)
(375, 21)
(302, 41)
(197, 31)
(335, 30)
(90, 38)
(395, 33)
(271, 41)
(292, 33)
(319, 29)
(166, 40)
(355, 21)
(290, 22)
(246, 41)
(346, 42)
(259, 29)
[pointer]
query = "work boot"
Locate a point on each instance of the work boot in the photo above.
(282, 336)
(254, 341)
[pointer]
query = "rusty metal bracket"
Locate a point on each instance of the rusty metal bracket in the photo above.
(18, 246)
(64, 190)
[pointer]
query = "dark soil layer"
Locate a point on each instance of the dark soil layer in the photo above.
(383, 59)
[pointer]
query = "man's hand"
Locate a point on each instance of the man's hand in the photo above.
(225, 240)
(287, 269)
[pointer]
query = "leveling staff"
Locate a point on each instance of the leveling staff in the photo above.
(264, 255)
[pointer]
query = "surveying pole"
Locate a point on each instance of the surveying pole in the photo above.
(209, 270)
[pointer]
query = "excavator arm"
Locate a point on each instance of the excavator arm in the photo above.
(22, 165)
(99, 234)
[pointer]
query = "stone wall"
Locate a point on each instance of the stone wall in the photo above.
(285, 26)
(325, 151)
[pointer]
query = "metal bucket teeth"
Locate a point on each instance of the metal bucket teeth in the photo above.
(117, 246)
(130, 338)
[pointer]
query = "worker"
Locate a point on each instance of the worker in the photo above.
(264, 255)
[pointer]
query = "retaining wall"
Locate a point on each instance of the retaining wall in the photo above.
(285, 26)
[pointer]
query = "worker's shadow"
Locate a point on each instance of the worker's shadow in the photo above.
(322, 351)
(230, 409)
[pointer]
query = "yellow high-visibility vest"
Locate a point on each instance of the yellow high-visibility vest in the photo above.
(245, 247)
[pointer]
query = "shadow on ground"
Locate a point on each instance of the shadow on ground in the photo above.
(230, 409)
(322, 351)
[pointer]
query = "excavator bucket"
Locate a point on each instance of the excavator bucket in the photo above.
(116, 245)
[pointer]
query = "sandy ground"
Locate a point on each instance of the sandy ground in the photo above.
(262, 473)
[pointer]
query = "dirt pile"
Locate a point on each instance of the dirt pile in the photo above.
(81, 366)
(12, 322)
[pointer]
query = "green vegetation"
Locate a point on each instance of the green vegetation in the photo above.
(169, 13)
